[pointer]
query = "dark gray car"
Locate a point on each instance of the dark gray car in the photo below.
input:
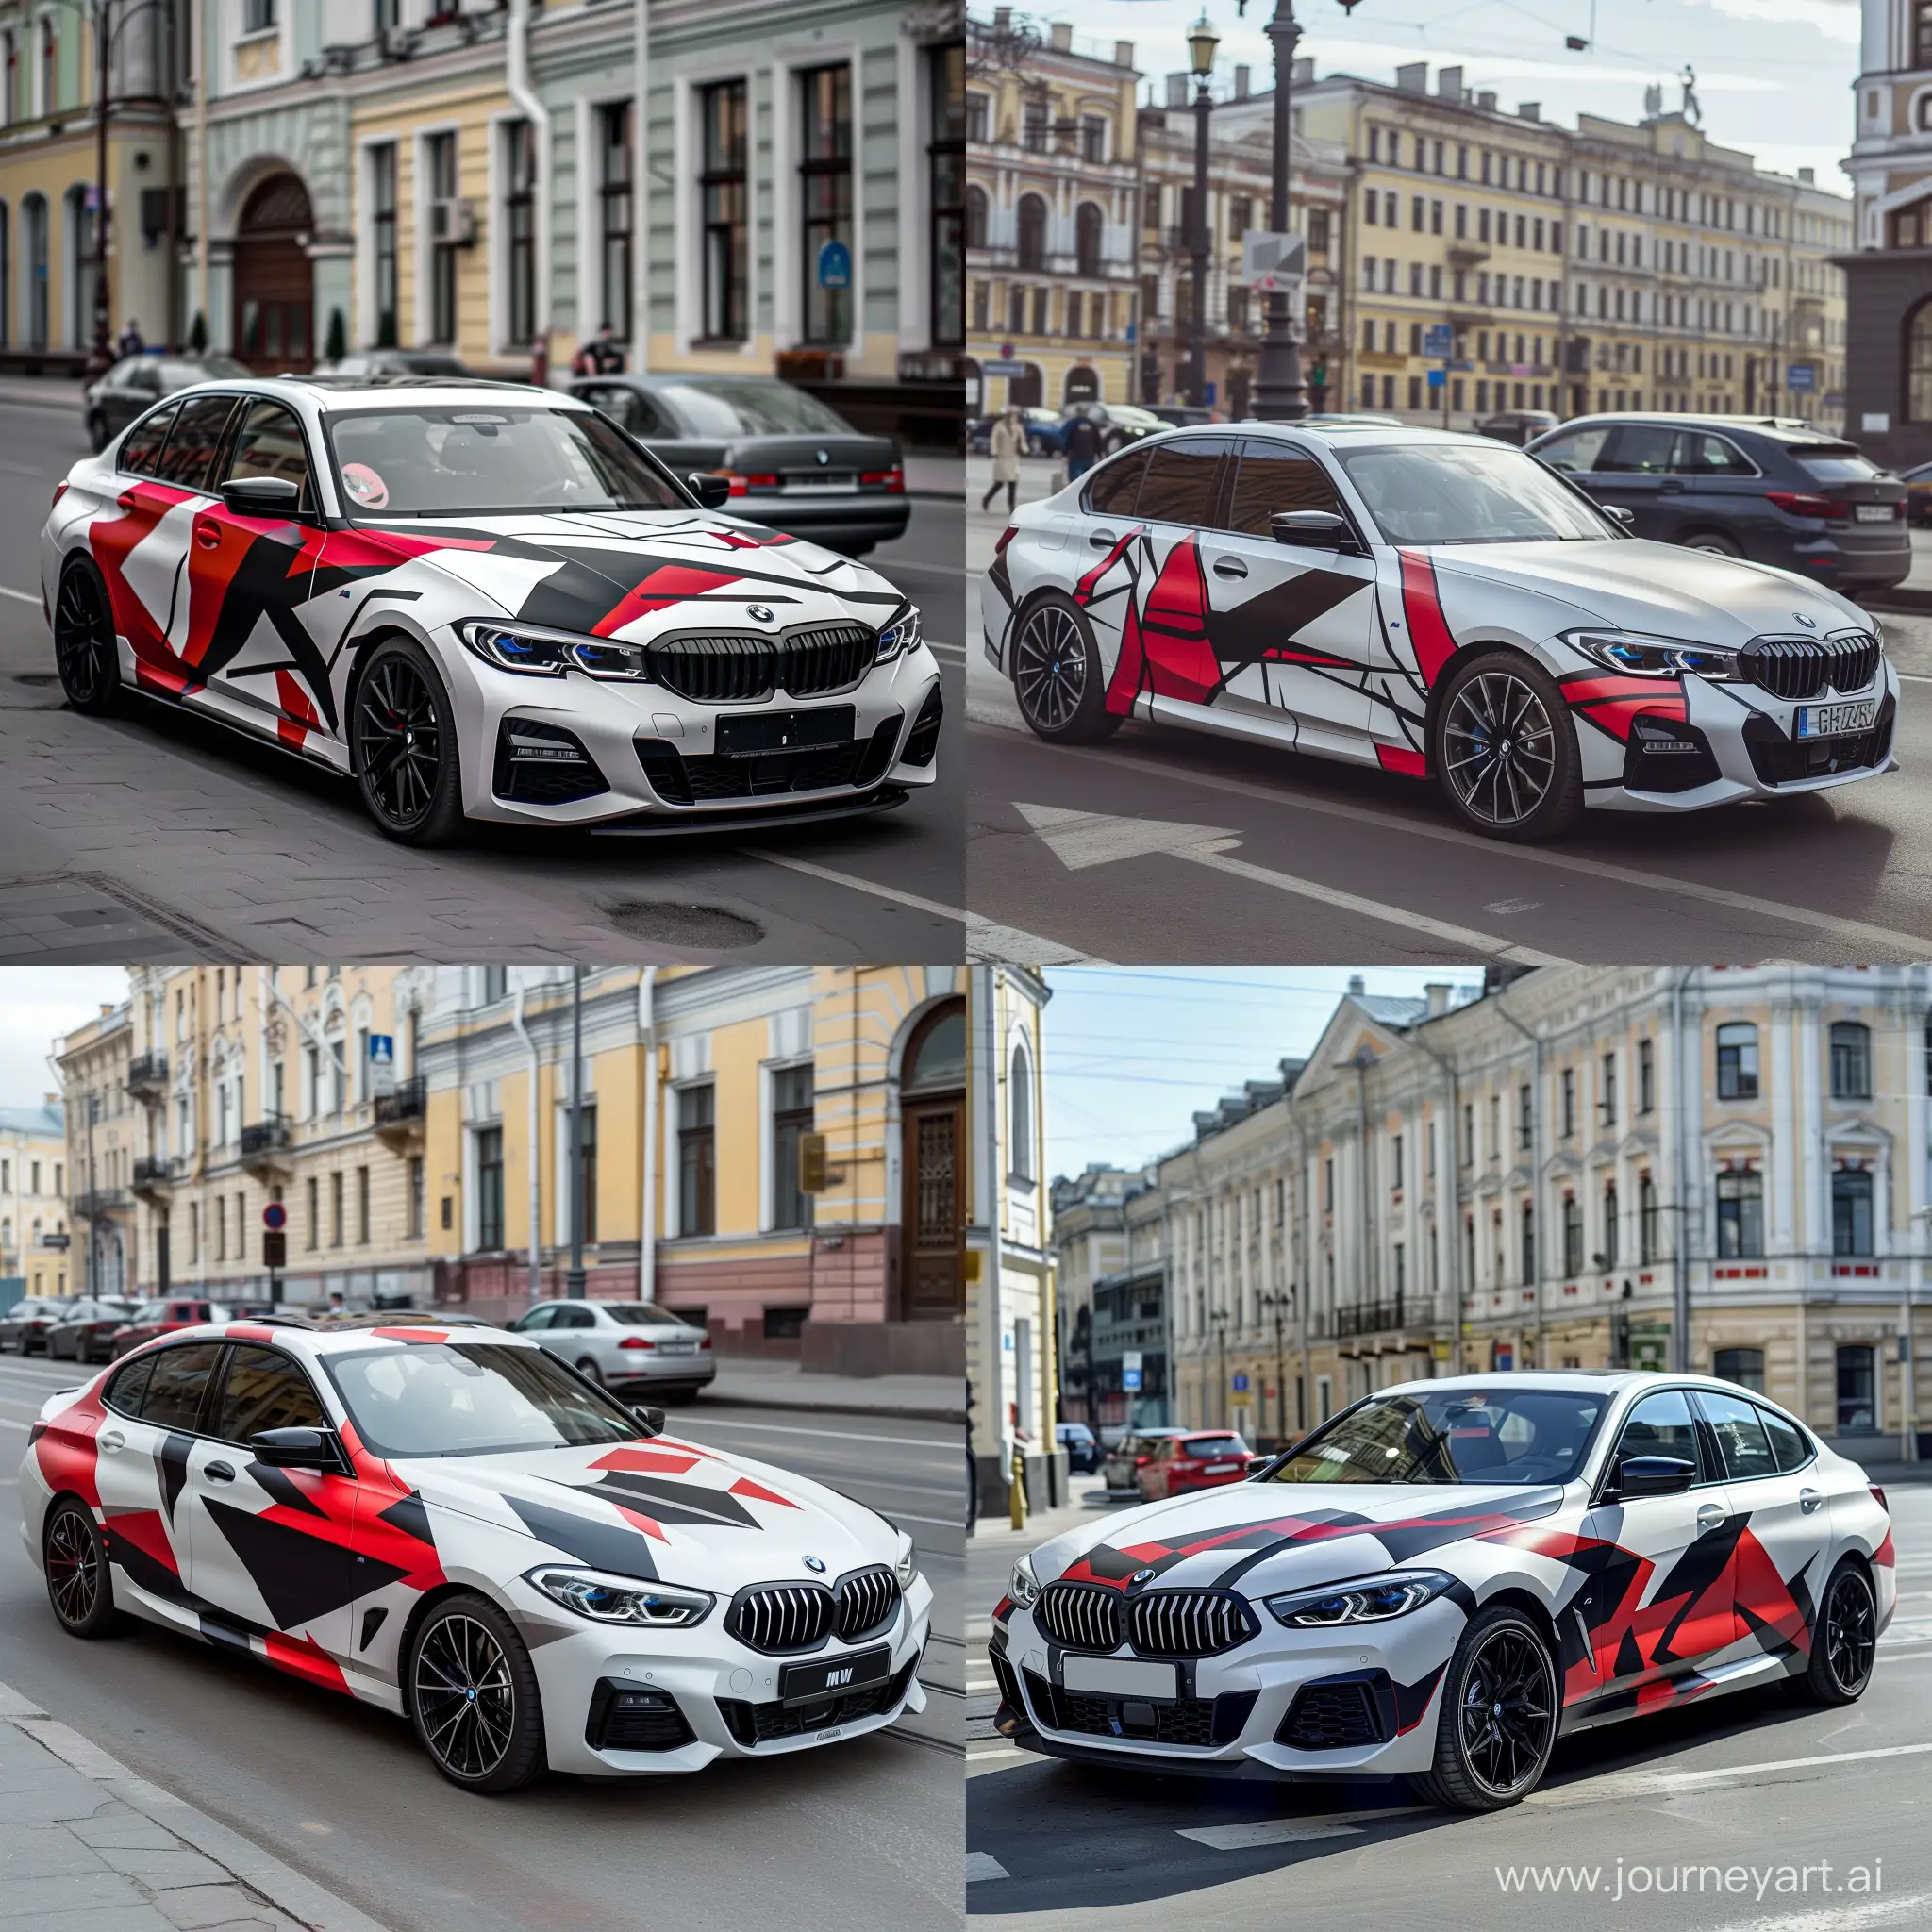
(1771, 491)
(137, 382)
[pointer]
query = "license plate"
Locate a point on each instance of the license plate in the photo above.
(1217, 1469)
(833, 1676)
(1120, 1676)
(752, 732)
(678, 1348)
(1875, 512)
(1836, 721)
(831, 486)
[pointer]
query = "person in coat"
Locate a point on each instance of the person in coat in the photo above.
(1005, 445)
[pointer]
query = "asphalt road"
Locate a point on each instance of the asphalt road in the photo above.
(1166, 845)
(1734, 1784)
(156, 835)
(864, 1835)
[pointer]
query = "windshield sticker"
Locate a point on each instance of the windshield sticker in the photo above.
(369, 491)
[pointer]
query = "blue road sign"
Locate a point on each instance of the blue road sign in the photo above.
(275, 1217)
(835, 265)
(1437, 340)
(1240, 1383)
(1801, 375)
(1437, 377)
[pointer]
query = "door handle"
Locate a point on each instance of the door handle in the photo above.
(1809, 1500)
(209, 538)
(125, 499)
(1669, 486)
(1230, 567)
(112, 1440)
(1101, 540)
(1709, 1515)
(219, 1473)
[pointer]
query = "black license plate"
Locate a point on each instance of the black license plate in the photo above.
(753, 732)
(833, 1676)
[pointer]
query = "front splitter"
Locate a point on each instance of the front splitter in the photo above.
(658, 825)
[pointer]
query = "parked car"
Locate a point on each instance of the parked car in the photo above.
(163, 1316)
(1519, 427)
(789, 460)
(1918, 482)
(1201, 1460)
(399, 362)
(631, 1347)
(1775, 492)
(1447, 1576)
(1120, 1468)
(85, 1332)
(136, 383)
(1083, 1450)
(1325, 419)
(455, 1529)
(1042, 428)
(1120, 423)
(1184, 415)
(24, 1326)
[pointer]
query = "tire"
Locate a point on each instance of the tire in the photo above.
(414, 790)
(1712, 543)
(1489, 1758)
(97, 436)
(590, 1372)
(1057, 677)
(1504, 750)
(472, 1697)
(675, 1397)
(1843, 1639)
(85, 653)
(79, 1586)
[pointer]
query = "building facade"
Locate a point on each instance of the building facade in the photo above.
(1110, 1286)
(34, 1241)
(102, 1145)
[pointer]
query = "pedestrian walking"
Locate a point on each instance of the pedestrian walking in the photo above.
(600, 355)
(130, 342)
(1005, 444)
(1081, 442)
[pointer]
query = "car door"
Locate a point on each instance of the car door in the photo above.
(1664, 1604)
(1168, 660)
(1715, 489)
(1293, 626)
(1630, 474)
(570, 1338)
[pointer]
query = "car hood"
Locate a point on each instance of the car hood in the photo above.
(1632, 584)
(629, 573)
(659, 1508)
(1291, 1534)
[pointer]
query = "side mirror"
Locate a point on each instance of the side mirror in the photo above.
(1318, 529)
(712, 491)
(297, 1449)
(1618, 514)
(262, 496)
(1653, 1475)
(1256, 1462)
(650, 1419)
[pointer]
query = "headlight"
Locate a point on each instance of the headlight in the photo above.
(900, 636)
(1374, 1600)
(618, 1600)
(1025, 1587)
(903, 1565)
(539, 653)
(1639, 655)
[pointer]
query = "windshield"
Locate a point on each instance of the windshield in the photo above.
(1456, 1436)
(465, 1398)
(423, 462)
(1468, 493)
(755, 408)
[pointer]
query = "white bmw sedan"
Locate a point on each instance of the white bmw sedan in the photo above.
(482, 601)
(1437, 605)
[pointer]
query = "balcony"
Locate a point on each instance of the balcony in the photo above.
(1468, 254)
(399, 1116)
(154, 1174)
(99, 1203)
(1371, 1318)
(147, 1074)
(265, 1144)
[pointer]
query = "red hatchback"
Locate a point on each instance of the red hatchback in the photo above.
(1202, 1462)
(162, 1318)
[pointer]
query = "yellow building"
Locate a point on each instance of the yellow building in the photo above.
(102, 1146)
(34, 1240)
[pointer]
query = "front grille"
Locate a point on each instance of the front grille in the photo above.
(1796, 668)
(623, 1718)
(780, 1617)
(1781, 761)
(1188, 1623)
(825, 657)
(680, 780)
(1082, 1616)
(1331, 1717)
(866, 1598)
(723, 667)
(1188, 1721)
(768, 1723)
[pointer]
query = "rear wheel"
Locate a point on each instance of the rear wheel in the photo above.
(473, 1698)
(1713, 544)
(1057, 681)
(85, 653)
(589, 1369)
(1497, 1722)
(1505, 751)
(1843, 1641)
(77, 1583)
(404, 745)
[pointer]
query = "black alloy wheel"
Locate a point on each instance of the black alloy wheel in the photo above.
(77, 1582)
(1056, 676)
(403, 746)
(1844, 1639)
(1496, 1724)
(473, 1697)
(85, 653)
(1506, 749)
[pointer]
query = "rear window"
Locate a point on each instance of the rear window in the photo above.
(642, 1315)
(1207, 1448)
(753, 408)
(1116, 486)
(1834, 462)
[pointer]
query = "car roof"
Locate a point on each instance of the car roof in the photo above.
(1786, 429)
(334, 1335)
(334, 393)
(1352, 435)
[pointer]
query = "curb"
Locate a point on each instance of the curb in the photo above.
(1902, 599)
(904, 1412)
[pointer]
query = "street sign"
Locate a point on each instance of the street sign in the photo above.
(275, 1217)
(1437, 377)
(1801, 375)
(835, 265)
(1130, 1370)
(1437, 340)
(275, 1250)
(1240, 1384)
(811, 1164)
(1208, 394)
(1272, 261)
(382, 1063)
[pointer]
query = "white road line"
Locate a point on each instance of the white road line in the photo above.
(1011, 1754)
(25, 596)
(6, 1421)
(1649, 1784)
(1888, 1911)
(715, 1422)
(1265, 1831)
(857, 885)
(981, 1866)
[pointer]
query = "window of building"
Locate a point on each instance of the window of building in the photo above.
(1743, 1366)
(1850, 1213)
(1527, 1238)
(1032, 232)
(414, 1225)
(826, 198)
(976, 224)
(362, 1207)
(1611, 1225)
(1851, 1060)
(977, 119)
(519, 221)
(723, 202)
(1092, 135)
(382, 203)
(696, 1160)
(1607, 1099)
(791, 1120)
(1646, 1077)
(1740, 1217)
(335, 1208)
(441, 153)
(614, 205)
(257, 16)
(1020, 1114)
(946, 173)
(1088, 224)
(1922, 33)
(1918, 364)
(1737, 1062)
(1569, 1099)
(489, 1189)
(1858, 1390)
(1573, 1236)
(587, 1154)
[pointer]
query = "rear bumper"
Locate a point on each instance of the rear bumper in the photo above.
(833, 521)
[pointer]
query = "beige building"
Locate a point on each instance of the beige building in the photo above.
(103, 1143)
(34, 1241)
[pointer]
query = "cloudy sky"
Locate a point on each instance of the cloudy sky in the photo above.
(1767, 70)
(36, 1004)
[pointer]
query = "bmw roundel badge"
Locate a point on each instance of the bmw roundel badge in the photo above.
(1809, 622)
(759, 613)
(1141, 1576)
(816, 1565)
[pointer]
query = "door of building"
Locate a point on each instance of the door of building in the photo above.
(274, 285)
(933, 1162)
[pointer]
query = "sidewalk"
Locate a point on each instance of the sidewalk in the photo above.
(748, 1383)
(85, 1844)
(993, 1538)
(42, 391)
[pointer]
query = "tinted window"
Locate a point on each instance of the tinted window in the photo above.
(1271, 477)
(1183, 481)
(126, 1386)
(620, 405)
(265, 1390)
(1661, 1424)
(536, 1318)
(176, 1384)
(1836, 463)
(1116, 486)
(269, 443)
(574, 1318)
(1699, 454)
(1641, 447)
(141, 451)
(1574, 453)
(192, 444)
(1788, 1442)
(1740, 1430)
(1207, 1448)
(1501, 1435)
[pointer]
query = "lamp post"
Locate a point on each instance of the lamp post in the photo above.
(1279, 1303)
(574, 1280)
(1201, 42)
(1218, 1322)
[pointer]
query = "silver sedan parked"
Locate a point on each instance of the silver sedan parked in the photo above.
(631, 1347)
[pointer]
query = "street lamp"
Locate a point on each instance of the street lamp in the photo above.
(1218, 1322)
(1201, 46)
(574, 1280)
(1277, 1304)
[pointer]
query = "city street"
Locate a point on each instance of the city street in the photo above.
(865, 1833)
(1171, 845)
(1750, 1781)
(243, 852)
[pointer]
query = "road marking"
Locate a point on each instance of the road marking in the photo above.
(1001, 1752)
(713, 1422)
(1889, 1911)
(1289, 1831)
(857, 885)
(1009, 946)
(6, 1421)
(25, 596)
(1082, 839)
(981, 1866)
(1666, 1783)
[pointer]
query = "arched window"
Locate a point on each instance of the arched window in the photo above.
(1087, 223)
(33, 222)
(1032, 232)
(1851, 1060)
(1918, 364)
(975, 217)
(1020, 1116)
(938, 1056)
(1737, 1062)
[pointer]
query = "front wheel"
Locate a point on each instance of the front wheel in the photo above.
(77, 1582)
(473, 1698)
(1505, 751)
(1057, 682)
(590, 1372)
(403, 746)
(1497, 1721)
(85, 653)
(1844, 1639)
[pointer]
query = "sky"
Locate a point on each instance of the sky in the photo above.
(36, 1004)
(1765, 68)
(1130, 1054)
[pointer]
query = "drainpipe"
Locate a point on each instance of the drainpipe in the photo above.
(1680, 1286)
(647, 1213)
(641, 164)
(516, 1021)
(1535, 1167)
(517, 80)
(201, 66)
(1452, 1173)
(1298, 1261)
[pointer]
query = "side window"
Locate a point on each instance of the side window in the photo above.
(1275, 477)
(1699, 454)
(265, 1390)
(1183, 481)
(1640, 448)
(537, 1320)
(176, 1384)
(1738, 1428)
(1660, 1425)
(575, 1318)
(141, 451)
(269, 443)
(1788, 1442)
(192, 444)
(620, 405)
(1116, 487)
(128, 1385)
(1576, 453)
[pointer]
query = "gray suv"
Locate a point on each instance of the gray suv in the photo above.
(1772, 489)
(633, 1348)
